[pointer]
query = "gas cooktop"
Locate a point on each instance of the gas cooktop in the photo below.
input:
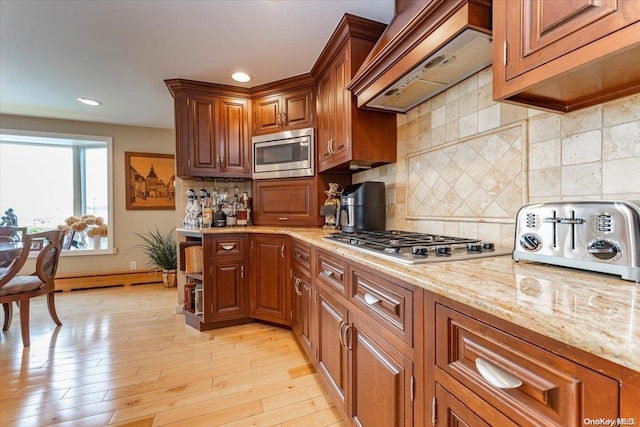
(416, 248)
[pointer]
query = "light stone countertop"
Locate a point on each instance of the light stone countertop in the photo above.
(597, 313)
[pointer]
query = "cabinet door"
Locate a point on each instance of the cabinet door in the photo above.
(451, 412)
(332, 355)
(234, 143)
(204, 156)
(301, 309)
(267, 115)
(229, 290)
(381, 379)
(326, 123)
(297, 109)
(539, 31)
(342, 113)
(286, 202)
(269, 274)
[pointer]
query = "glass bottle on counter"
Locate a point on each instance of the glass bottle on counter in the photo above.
(207, 213)
(241, 215)
(220, 217)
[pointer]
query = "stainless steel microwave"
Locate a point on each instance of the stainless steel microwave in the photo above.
(284, 154)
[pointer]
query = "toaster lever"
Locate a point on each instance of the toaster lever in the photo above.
(571, 220)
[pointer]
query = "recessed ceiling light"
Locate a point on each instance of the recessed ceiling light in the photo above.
(89, 101)
(241, 77)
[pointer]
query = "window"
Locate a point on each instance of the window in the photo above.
(47, 179)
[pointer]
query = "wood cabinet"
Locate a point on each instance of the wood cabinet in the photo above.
(284, 111)
(292, 202)
(497, 374)
(348, 136)
(563, 56)
(212, 130)
(332, 354)
(302, 303)
(224, 299)
(269, 288)
(368, 370)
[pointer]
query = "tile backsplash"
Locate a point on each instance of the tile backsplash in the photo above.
(466, 163)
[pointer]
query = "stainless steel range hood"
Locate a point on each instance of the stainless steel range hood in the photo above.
(428, 47)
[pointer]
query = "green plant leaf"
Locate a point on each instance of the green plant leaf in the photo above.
(161, 249)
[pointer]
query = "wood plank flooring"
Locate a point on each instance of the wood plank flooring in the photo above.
(123, 357)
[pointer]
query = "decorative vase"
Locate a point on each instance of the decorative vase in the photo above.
(169, 278)
(97, 242)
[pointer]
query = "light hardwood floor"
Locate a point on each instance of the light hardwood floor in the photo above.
(123, 357)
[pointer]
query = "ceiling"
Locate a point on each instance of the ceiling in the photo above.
(121, 51)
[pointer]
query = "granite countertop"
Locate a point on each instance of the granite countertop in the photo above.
(597, 313)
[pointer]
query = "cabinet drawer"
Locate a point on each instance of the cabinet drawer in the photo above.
(545, 389)
(232, 245)
(389, 304)
(301, 254)
(332, 271)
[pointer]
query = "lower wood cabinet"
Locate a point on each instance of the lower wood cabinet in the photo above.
(370, 380)
(505, 380)
(224, 291)
(269, 292)
(301, 308)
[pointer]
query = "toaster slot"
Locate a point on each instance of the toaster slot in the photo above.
(555, 221)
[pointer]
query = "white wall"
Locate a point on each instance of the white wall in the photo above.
(125, 222)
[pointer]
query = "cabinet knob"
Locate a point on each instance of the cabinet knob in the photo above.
(496, 376)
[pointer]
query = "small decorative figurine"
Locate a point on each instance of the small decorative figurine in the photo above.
(331, 207)
(10, 218)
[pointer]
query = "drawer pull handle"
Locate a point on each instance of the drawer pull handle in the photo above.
(328, 273)
(370, 298)
(496, 376)
(228, 247)
(283, 218)
(296, 286)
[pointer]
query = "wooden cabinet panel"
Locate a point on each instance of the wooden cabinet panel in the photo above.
(269, 278)
(224, 286)
(234, 137)
(348, 136)
(301, 255)
(565, 55)
(332, 271)
(283, 111)
(230, 296)
(292, 202)
(388, 303)
(552, 390)
(381, 380)
(212, 130)
(301, 309)
(204, 134)
(332, 356)
(451, 412)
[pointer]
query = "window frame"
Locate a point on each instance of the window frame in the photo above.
(78, 191)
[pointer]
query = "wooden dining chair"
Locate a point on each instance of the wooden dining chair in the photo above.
(21, 288)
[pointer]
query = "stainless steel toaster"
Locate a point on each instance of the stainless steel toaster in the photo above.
(602, 236)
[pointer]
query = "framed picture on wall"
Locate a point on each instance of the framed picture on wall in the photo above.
(150, 181)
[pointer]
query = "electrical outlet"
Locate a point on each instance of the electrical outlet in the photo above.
(133, 265)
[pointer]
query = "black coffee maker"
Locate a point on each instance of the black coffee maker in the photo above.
(363, 207)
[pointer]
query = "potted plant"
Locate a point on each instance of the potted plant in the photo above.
(161, 249)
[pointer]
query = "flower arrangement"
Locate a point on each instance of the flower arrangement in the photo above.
(86, 225)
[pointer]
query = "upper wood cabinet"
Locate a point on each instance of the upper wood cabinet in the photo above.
(347, 136)
(293, 202)
(285, 111)
(212, 130)
(565, 55)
